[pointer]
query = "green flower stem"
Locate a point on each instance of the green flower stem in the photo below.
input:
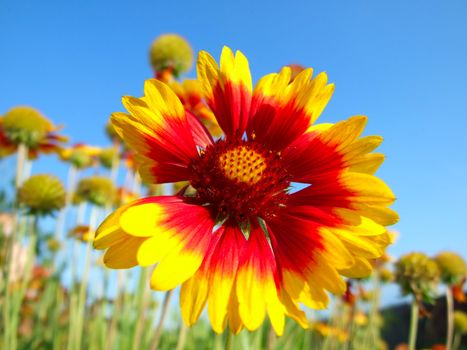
(20, 164)
(72, 320)
(117, 305)
(115, 163)
(136, 186)
(74, 246)
(19, 296)
(413, 325)
(84, 281)
(8, 248)
(228, 340)
(141, 298)
(450, 318)
(373, 333)
(182, 333)
(71, 185)
(457, 341)
(351, 325)
(164, 312)
(271, 340)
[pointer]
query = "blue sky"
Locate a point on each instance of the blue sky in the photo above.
(402, 63)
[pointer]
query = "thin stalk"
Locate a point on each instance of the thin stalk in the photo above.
(164, 312)
(71, 184)
(271, 340)
(84, 280)
(136, 186)
(72, 320)
(115, 163)
(20, 164)
(328, 342)
(218, 342)
(450, 318)
(18, 297)
(27, 169)
(80, 213)
(371, 339)
(228, 340)
(117, 308)
(413, 325)
(8, 248)
(351, 325)
(74, 245)
(59, 301)
(141, 301)
(182, 333)
(457, 341)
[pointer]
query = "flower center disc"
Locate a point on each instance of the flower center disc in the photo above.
(243, 164)
(240, 179)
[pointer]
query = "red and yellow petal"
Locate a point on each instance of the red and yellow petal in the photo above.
(314, 246)
(159, 131)
(255, 279)
(227, 89)
(308, 265)
(326, 151)
(281, 110)
(163, 230)
(244, 284)
(218, 271)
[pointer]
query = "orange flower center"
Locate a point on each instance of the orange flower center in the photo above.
(240, 180)
(243, 164)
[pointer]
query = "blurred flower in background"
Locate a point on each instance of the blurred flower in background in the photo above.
(98, 190)
(80, 155)
(42, 194)
(170, 56)
(418, 275)
(27, 126)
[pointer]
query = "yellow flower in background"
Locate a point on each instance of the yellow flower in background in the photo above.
(82, 233)
(452, 266)
(326, 331)
(107, 156)
(361, 319)
(190, 93)
(386, 275)
(97, 190)
(53, 244)
(460, 322)
(25, 125)
(80, 155)
(242, 242)
(42, 194)
(170, 55)
(417, 274)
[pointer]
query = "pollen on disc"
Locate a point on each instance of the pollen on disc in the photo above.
(243, 164)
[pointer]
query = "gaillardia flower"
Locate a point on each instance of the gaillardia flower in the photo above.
(80, 155)
(417, 274)
(25, 125)
(239, 239)
(98, 190)
(170, 55)
(42, 194)
(452, 266)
